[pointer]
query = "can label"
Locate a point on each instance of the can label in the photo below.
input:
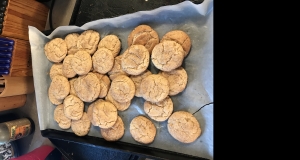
(17, 132)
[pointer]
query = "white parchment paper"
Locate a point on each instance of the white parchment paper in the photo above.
(196, 21)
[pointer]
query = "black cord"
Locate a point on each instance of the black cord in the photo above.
(50, 15)
(203, 106)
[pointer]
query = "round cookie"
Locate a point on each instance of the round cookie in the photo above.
(71, 41)
(56, 50)
(180, 37)
(54, 100)
(103, 60)
(73, 107)
(159, 111)
(104, 84)
(87, 87)
(122, 89)
(167, 55)
(82, 126)
(72, 89)
(105, 114)
(142, 130)
(116, 69)
(112, 43)
(59, 87)
(184, 127)
(81, 62)
(137, 82)
(56, 69)
(90, 111)
(177, 79)
(135, 60)
(67, 69)
(154, 88)
(88, 41)
(115, 132)
(118, 105)
(59, 116)
(143, 35)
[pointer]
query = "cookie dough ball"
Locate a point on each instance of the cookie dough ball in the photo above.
(167, 55)
(103, 60)
(59, 87)
(181, 38)
(154, 88)
(88, 41)
(81, 62)
(112, 43)
(117, 69)
(184, 127)
(72, 89)
(56, 69)
(118, 105)
(135, 60)
(115, 132)
(122, 89)
(56, 50)
(105, 114)
(87, 87)
(59, 116)
(104, 84)
(67, 69)
(73, 107)
(142, 130)
(159, 111)
(82, 126)
(137, 82)
(54, 100)
(71, 41)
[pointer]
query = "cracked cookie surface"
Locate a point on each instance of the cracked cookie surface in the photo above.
(118, 105)
(54, 100)
(137, 81)
(90, 111)
(82, 126)
(88, 41)
(59, 87)
(159, 111)
(142, 130)
(56, 50)
(115, 132)
(56, 69)
(116, 69)
(180, 37)
(71, 41)
(122, 89)
(67, 69)
(81, 62)
(72, 89)
(87, 87)
(59, 116)
(112, 43)
(73, 107)
(104, 84)
(105, 114)
(103, 60)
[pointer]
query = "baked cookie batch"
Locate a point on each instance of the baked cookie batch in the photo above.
(89, 69)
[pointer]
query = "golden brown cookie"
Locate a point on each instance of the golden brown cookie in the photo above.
(81, 62)
(137, 81)
(112, 43)
(177, 79)
(122, 89)
(184, 127)
(56, 69)
(67, 69)
(72, 89)
(87, 87)
(167, 55)
(104, 84)
(73, 107)
(88, 41)
(180, 37)
(90, 111)
(135, 60)
(59, 116)
(115, 132)
(103, 60)
(117, 69)
(143, 35)
(71, 41)
(159, 111)
(59, 87)
(82, 126)
(54, 100)
(56, 50)
(142, 130)
(118, 105)
(154, 88)
(105, 114)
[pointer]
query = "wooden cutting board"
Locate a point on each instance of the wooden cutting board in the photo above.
(12, 102)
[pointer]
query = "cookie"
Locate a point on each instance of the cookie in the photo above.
(142, 130)
(135, 60)
(122, 89)
(116, 69)
(87, 87)
(82, 126)
(90, 111)
(137, 81)
(181, 38)
(112, 43)
(56, 50)
(67, 69)
(81, 62)
(184, 127)
(118, 105)
(159, 111)
(154, 88)
(59, 116)
(105, 114)
(73, 107)
(167, 55)
(103, 60)
(56, 69)
(71, 41)
(88, 41)
(104, 84)
(54, 100)
(59, 87)
(143, 35)
(115, 132)
(72, 89)
(177, 79)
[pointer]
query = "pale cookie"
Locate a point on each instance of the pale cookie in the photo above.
(90, 111)
(82, 126)
(71, 40)
(72, 89)
(115, 132)
(177, 79)
(81, 62)
(143, 35)
(67, 69)
(167, 55)
(122, 89)
(180, 37)
(103, 60)
(135, 60)
(137, 81)
(117, 69)
(56, 69)
(87, 87)
(154, 88)
(73, 107)
(105, 114)
(112, 43)
(88, 41)
(118, 105)
(59, 116)
(142, 130)
(104, 84)
(56, 50)
(59, 87)
(159, 111)
(54, 100)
